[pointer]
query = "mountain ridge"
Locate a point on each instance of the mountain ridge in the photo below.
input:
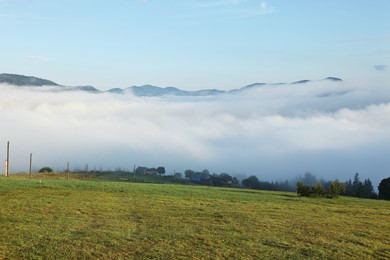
(142, 91)
(21, 80)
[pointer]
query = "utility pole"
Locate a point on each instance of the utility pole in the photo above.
(134, 172)
(6, 166)
(67, 175)
(30, 165)
(7, 161)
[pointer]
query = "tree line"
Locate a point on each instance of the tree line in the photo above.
(253, 182)
(359, 188)
(309, 186)
(160, 170)
(206, 178)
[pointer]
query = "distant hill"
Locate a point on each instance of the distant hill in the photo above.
(333, 79)
(154, 91)
(20, 80)
(83, 88)
(301, 81)
(30, 81)
(141, 91)
(325, 79)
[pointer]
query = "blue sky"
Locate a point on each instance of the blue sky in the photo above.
(194, 44)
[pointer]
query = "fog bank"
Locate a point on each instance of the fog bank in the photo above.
(331, 129)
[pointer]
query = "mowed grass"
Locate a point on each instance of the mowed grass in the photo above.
(60, 219)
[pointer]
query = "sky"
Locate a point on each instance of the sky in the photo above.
(194, 44)
(277, 132)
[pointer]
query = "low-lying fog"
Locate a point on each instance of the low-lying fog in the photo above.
(331, 129)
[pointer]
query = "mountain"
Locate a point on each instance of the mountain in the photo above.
(30, 81)
(153, 91)
(20, 80)
(325, 79)
(301, 82)
(251, 86)
(141, 91)
(333, 79)
(116, 91)
(83, 88)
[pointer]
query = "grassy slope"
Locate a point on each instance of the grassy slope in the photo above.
(90, 219)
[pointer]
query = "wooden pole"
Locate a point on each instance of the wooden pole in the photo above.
(67, 175)
(6, 166)
(7, 162)
(30, 171)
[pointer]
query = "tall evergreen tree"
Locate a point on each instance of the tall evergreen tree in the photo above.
(367, 190)
(384, 189)
(356, 185)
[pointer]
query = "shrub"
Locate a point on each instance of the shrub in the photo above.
(317, 190)
(333, 191)
(302, 189)
(46, 169)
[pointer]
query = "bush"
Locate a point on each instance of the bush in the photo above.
(46, 169)
(302, 189)
(317, 190)
(333, 191)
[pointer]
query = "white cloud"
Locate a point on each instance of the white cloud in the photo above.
(265, 8)
(272, 131)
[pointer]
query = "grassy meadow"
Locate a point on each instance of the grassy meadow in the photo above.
(51, 217)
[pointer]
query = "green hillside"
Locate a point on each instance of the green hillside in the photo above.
(60, 219)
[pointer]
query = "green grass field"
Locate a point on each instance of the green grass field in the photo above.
(91, 219)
